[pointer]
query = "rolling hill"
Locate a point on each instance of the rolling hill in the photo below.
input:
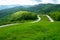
(40, 8)
(2, 7)
(18, 17)
(42, 30)
(9, 11)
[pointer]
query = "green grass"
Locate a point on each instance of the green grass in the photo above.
(18, 17)
(44, 18)
(43, 30)
(31, 31)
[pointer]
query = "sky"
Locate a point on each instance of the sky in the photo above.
(28, 2)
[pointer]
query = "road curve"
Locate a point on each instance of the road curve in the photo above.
(51, 20)
(19, 23)
(37, 19)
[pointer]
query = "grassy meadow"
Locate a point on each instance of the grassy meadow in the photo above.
(31, 31)
(25, 29)
(43, 30)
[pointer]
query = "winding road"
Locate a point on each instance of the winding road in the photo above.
(38, 16)
(37, 19)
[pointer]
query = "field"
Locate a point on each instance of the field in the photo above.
(38, 22)
(43, 30)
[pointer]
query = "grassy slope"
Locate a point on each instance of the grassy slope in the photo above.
(18, 17)
(43, 30)
(44, 18)
(29, 31)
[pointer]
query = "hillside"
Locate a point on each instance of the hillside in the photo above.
(42, 30)
(20, 22)
(2, 7)
(9, 11)
(41, 8)
(52, 9)
(30, 31)
(18, 17)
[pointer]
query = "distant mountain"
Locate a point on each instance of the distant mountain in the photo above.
(40, 8)
(2, 7)
(7, 6)
(52, 8)
(45, 8)
(10, 10)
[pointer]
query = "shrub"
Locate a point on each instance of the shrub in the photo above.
(23, 15)
(55, 15)
(18, 17)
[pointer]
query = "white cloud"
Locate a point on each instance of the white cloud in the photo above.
(21, 2)
(47, 1)
(58, 1)
(27, 2)
(51, 1)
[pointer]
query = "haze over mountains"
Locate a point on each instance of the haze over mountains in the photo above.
(7, 6)
(11, 6)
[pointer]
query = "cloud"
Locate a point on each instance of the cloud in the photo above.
(50, 1)
(38, 0)
(58, 2)
(47, 1)
(21, 2)
(28, 2)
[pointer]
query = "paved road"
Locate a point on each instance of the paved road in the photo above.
(51, 20)
(37, 19)
(9, 25)
(18, 23)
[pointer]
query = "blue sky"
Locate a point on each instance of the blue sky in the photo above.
(28, 2)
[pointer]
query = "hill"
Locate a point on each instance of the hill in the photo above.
(30, 31)
(52, 9)
(9, 11)
(2, 7)
(25, 29)
(40, 8)
(18, 17)
(35, 8)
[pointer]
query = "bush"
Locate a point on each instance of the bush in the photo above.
(55, 15)
(23, 15)
(18, 17)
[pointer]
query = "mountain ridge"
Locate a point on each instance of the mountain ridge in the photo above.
(41, 8)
